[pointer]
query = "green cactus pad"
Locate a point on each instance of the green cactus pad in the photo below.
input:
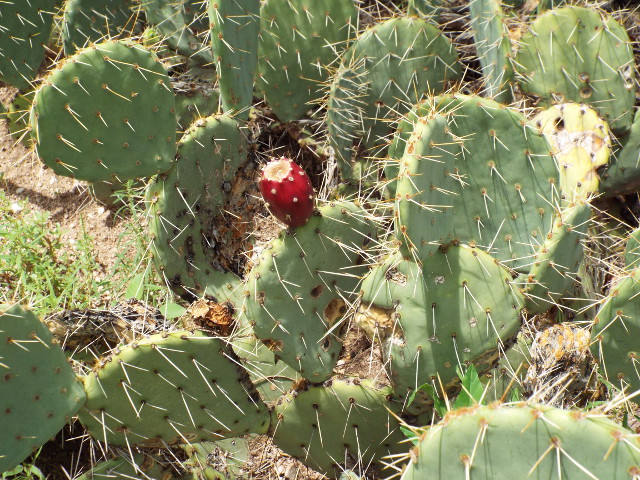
(493, 46)
(503, 382)
(271, 376)
(177, 387)
(555, 268)
(184, 25)
(143, 467)
(476, 173)
(576, 54)
(194, 102)
(623, 174)
(24, 33)
(345, 421)
(389, 67)
(106, 112)
(87, 21)
(458, 308)
(505, 442)
(38, 390)
(234, 37)
(202, 456)
(632, 250)
(426, 8)
(183, 205)
(296, 292)
(18, 116)
(581, 142)
(616, 329)
(297, 43)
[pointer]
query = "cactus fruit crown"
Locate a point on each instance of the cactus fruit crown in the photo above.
(287, 190)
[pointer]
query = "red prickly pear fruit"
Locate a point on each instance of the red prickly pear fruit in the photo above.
(288, 191)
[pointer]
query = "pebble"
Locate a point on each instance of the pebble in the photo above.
(19, 190)
(15, 208)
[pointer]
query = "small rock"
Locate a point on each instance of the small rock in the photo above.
(15, 208)
(19, 190)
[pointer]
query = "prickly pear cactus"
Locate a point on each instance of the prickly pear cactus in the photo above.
(24, 33)
(459, 307)
(632, 250)
(387, 69)
(18, 117)
(194, 101)
(203, 455)
(345, 421)
(184, 202)
(140, 467)
(107, 112)
(581, 143)
(234, 37)
(271, 377)
(427, 8)
(87, 21)
(39, 391)
(615, 332)
(168, 388)
(493, 47)
(504, 381)
(504, 442)
(623, 173)
(578, 54)
(298, 41)
(297, 290)
(475, 173)
(555, 264)
(184, 25)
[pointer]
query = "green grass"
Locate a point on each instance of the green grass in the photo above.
(134, 274)
(41, 269)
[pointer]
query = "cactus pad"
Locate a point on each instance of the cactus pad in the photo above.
(106, 112)
(38, 390)
(174, 387)
(576, 54)
(298, 289)
(623, 174)
(234, 37)
(581, 142)
(345, 421)
(24, 33)
(615, 333)
(142, 467)
(184, 203)
(537, 442)
(87, 21)
(298, 40)
(556, 262)
(632, 250)
(476, 173)
(183, 24)
(458, 308)
(387, 69)
(493, 47)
